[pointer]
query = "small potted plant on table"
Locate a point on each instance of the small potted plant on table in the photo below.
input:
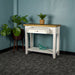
(42, 16)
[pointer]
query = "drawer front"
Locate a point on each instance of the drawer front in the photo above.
(38, 31)
(43, 30)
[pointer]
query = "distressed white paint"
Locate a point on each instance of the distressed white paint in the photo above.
(43, 30)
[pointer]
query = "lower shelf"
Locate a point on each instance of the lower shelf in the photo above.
(36, 49)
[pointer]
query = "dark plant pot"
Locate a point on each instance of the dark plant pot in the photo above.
(20, 37)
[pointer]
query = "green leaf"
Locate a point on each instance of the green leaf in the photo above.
(8, 31)
(5, 30)
(42, 16)
(3, 33)
(16, 31)
(24, 19)
(5, 26)
(18, 20)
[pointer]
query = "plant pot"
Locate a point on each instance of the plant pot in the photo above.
(20, 37)
(42, 21)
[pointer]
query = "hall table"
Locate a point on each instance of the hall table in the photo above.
(43, 29)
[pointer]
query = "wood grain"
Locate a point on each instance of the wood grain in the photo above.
(44, 25)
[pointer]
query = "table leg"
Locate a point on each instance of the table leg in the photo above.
(26, 42)
(54, 45)
(58, 41)
(31, 40)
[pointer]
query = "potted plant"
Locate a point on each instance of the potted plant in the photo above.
(18, 32)
(42, 16)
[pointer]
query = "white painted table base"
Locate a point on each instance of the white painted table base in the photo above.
(56, 37)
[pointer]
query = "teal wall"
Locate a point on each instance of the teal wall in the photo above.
(6, 11)
(58, 12)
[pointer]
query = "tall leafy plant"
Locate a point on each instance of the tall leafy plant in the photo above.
(18, 20)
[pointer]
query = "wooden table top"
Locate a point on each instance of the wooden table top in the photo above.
(44, 25)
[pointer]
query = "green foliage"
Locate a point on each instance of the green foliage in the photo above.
(16, 31)
(42, 16)
(17, 19)
(24, 19)
(5, 30)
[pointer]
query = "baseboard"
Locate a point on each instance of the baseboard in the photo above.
(5, 50)
(66, 52)
(61, 52)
